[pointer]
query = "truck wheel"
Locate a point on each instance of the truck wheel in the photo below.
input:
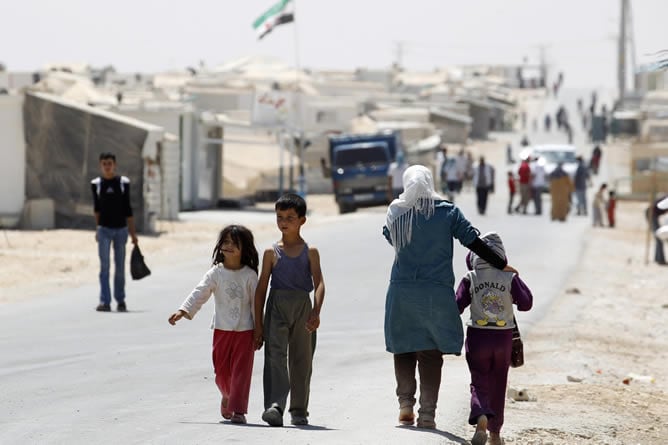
(346, 208)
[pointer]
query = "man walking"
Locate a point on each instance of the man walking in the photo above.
(524, 174)
(113, 215)
(483, 181)
(538, 184)
(582, 180)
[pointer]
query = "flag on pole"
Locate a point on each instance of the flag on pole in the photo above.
(274, 16)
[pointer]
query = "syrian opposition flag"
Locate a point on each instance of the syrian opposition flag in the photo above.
(274, 16)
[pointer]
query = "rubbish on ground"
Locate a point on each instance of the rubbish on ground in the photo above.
(570, 378)
(638, 378)
(520, 395)
(573, 290)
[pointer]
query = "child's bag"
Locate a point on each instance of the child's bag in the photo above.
(517, 351)
(138, 268)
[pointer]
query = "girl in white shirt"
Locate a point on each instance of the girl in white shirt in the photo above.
(232, 280)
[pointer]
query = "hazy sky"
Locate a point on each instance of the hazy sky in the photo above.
(148, 35)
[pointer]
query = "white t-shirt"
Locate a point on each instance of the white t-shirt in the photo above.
(234, 296)
(538, 175)
(396, 171)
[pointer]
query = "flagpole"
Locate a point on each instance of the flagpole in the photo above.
(298, 116)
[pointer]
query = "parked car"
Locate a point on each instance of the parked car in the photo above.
(550, 155)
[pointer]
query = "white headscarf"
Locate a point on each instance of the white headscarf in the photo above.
(418, 196)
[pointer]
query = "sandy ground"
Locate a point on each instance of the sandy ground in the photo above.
(609, 323)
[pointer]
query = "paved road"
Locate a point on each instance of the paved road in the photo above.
(71, 375)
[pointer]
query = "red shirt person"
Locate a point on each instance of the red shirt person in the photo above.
(524, 174)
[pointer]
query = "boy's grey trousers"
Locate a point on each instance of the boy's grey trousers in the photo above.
(288, 350)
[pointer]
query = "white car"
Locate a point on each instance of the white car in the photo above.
(552, 154)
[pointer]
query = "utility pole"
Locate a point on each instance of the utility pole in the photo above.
(543, 63)
(621, 52)
(632, 44)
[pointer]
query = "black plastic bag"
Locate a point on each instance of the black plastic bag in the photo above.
(517, 351)
(138, 268)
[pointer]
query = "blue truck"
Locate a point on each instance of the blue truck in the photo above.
(358, 168)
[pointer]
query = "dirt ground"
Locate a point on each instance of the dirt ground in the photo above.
(610, 323)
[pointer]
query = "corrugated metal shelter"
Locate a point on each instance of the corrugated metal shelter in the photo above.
(63, 142)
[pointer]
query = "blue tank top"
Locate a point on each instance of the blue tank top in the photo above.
(291, 273)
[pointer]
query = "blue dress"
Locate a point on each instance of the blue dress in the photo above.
(420, 308)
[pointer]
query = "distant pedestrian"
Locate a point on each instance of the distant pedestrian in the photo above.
(595, 162)
(395, 173)
(561, 188)
(483, 182)
(511, 191)
(421, 318)
(548, 123)
(581, 181)
(113, 217)
(509, 154)
(462, 167)
(610, 207)
(538, 184)
(653, 214)
(569, 131)
(490, 293)
(451, 177)
(468, 175)
(232, 281)
(292, 269)
(524, 174)
(441, 156)
(598, 205)
(525, 141)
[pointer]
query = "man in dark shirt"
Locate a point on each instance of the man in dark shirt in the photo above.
(113, 215)
(582, 180)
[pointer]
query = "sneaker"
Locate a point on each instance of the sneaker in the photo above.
(299, 420)
(103, 307)
(273, 415)
(238, 418)
(121, 307)
(406, 416)
(226, 413)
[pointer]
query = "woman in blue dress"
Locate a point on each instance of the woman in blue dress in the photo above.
(421, 316)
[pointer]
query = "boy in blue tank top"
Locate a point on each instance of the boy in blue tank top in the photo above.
(290, 320)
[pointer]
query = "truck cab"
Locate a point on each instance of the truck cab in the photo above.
(358, 168)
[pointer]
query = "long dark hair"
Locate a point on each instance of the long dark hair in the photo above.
(243, 238)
